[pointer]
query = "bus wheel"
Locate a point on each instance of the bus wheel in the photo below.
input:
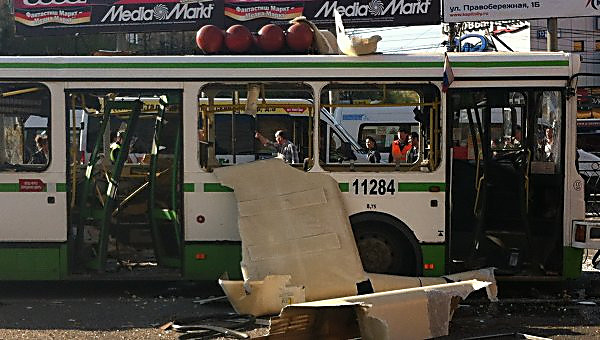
(384, 250)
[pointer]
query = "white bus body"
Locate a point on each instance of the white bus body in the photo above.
(425, 222)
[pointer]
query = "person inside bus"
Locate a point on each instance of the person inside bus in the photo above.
(400, 147)
(115, 146)
(41, 155)
(515, 141)
(286, 150)
(372, 154)
(549, 144)
(413, 153)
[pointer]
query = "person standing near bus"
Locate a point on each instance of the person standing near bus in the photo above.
(286, 150)
(372, 154)
(41, 155)
(400, 147)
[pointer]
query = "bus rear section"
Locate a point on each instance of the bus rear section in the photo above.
(511, 153)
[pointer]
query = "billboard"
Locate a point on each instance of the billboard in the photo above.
(56, 17)
(478, 10)
(361, 13)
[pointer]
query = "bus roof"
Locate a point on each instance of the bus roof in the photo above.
(414, 66)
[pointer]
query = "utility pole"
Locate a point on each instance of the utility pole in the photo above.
(452, 28)
(552, 35)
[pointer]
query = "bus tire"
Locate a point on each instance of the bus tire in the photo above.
(386, 245)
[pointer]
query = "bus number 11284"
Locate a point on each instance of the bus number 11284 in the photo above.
(374, 187)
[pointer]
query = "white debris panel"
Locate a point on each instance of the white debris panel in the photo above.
(297, 242)
(294, 223)
(415, 313)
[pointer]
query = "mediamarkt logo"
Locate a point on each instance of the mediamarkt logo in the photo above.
(375, 8)
(159, 12)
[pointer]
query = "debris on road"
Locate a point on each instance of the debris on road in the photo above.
(298, 246)
(416, 313)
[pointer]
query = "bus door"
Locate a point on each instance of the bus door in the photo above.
(506, 180)
(125, 206)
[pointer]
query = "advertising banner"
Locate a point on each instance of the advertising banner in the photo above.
(479, 10)
(355, 13)
(55, 17)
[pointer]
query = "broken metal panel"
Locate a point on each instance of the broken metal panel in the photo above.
(383, 283)
(294, 223)
(415, 313)
(263, 297)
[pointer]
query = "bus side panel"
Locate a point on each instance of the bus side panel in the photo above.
(33, 261)
(212, 240)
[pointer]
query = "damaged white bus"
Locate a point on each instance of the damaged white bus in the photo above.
(492, 180)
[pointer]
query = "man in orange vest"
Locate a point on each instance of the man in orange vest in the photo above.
(400, 147)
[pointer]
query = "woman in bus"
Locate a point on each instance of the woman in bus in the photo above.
(372, 154)
(41, 155)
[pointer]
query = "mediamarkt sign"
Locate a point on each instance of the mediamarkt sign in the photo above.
(374, 8)
(355, 13)
(159, 12)
(54, 17)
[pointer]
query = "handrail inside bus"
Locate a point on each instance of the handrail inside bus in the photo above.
(22, 91)
(379, 105)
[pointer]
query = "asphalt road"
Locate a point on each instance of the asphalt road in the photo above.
(136, 310)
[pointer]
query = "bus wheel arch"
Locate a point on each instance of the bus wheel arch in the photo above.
(386, 244)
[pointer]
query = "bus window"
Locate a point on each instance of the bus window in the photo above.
(233, 117)
(548, 126)
(25, 138)
(395, 119)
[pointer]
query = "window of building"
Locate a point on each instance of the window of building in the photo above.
(578, 46)
(25, 137)
(597, 45)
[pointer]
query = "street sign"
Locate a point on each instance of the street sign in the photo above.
(480, 10)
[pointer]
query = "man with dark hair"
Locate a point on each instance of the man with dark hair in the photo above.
(400, 147)
(413, 153)
(286, 150)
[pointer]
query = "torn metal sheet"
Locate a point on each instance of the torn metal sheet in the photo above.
(415, 313)
(289, 221)
(263, 297)
(384, 283)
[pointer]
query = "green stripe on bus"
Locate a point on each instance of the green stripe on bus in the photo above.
(23, 262)
(208, 261)
(189, 187)
(9, 187)
(417, 187)
(572, 258)
(287, 65)
(235, 65)
(434, 256)
(61, 187)
(344, 187)
(216, 187)
(523, 63)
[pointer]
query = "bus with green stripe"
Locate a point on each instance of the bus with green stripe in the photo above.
(492, 180)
